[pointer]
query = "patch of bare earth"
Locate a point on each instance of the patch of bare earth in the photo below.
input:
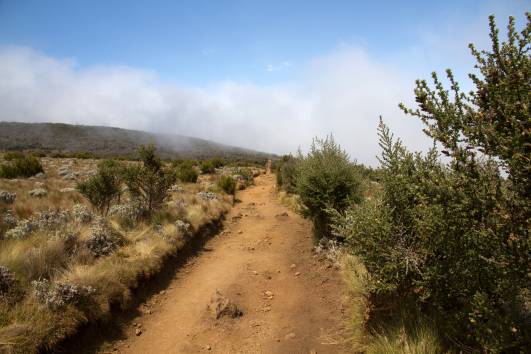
(263, 263)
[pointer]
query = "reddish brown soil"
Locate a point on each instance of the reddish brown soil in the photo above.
(261, 249)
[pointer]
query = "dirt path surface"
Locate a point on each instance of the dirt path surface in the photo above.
(263, 261)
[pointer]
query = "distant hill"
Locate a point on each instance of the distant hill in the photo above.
(107, 141)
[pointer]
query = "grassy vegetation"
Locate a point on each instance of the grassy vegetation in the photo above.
(62, 265)
(439, 251)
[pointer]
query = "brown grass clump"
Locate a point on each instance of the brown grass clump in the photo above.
(406, 331)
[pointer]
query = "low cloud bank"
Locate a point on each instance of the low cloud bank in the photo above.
(342, 93)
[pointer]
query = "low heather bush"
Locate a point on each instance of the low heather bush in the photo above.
(103, 239)
(7, 197)
(81, 214)
(207, 195)
(23, 229)
(7, 281)
(58, 295)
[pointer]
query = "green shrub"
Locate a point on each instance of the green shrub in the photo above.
(246, 179)
(83, 155)
(286, 173)
(326, 180)
(228, 184)
(150, 182)
(103, 188)
(13, 155)
(25, 166)
(218, 162)
(207, 167)
(39, 153)
(454, 237)
(186, 172)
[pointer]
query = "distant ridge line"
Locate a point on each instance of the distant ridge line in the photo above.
(112, 141)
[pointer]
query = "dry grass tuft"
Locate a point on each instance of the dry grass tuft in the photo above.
(291, 201)
(405, 332)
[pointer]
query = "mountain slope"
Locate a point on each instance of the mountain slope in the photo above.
(106, 141)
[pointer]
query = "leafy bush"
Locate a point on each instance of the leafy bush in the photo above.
(454, 237)
(207, 167)
(286, 173)
(103, 188)
(218, 162)
(24, 166)
(326, 180)
(186, 172)
(150, 182)
(228, 184)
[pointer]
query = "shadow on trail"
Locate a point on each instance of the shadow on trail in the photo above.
(92, 337)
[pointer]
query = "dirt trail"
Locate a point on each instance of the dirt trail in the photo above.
(261, 249)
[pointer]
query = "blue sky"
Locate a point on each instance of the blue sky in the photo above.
(203, 41)
(202, 67)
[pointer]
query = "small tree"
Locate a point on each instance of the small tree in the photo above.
(149, 182)
(103, 188)
(326, 180)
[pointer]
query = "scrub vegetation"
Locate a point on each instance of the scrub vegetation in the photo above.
(96, 230)
(437, 249)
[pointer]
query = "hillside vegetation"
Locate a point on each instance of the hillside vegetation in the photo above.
(78, 235)
(437, 250)
(111, 142)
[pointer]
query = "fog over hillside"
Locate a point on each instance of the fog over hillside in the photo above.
(104, 141)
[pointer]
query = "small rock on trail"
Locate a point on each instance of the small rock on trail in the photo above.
(290, 336)
(220, 306)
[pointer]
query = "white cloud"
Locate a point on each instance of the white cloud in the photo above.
(282, 66)
(342, 93)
